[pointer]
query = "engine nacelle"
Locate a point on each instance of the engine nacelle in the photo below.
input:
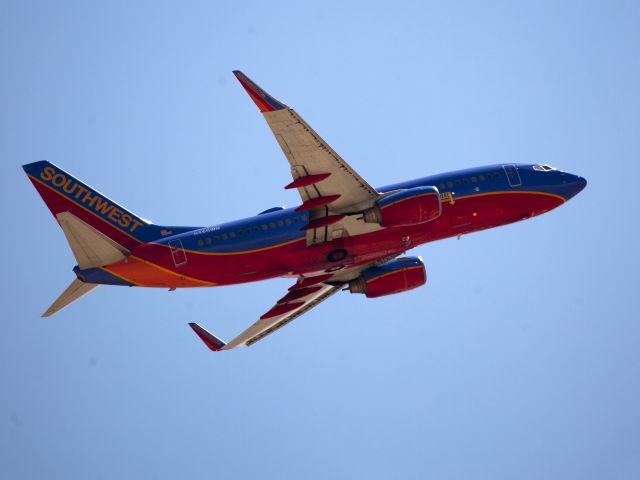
(399, 275)
(406, 207)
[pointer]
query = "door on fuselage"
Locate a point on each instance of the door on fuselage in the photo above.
(177, 252)
(513, 177)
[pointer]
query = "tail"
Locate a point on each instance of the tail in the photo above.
(64, 193)
(99, 231)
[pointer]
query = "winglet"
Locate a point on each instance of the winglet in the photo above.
(264, 101)
(210, 340)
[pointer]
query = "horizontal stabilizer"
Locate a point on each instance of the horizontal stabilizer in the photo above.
(209, 339)
(76, 290)
(90, 247)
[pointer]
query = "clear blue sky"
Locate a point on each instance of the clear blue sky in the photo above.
(520, 357)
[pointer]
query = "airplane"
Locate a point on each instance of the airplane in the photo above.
(343, 235)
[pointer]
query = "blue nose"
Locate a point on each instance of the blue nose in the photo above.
(573, 186)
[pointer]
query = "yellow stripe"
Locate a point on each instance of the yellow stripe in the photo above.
(146, 262)
(197, 252)
(86, 209)
(455, 198)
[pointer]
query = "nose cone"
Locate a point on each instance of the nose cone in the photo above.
(573, 186)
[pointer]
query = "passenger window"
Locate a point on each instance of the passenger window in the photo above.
(224, 236)
(231, 235)
(497, 175)
(264, 226)
(304, 217)
(466, 181)
(200, 243)
(457, 183)
(216, 238)
(288, 221)
(441, 186)
(489, 176)
(450, 184)
(280, 223)
(296, 219)
(272, 225)
(208, 240)
(474, 180)
(481, 178)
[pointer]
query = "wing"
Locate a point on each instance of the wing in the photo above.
(299, 300)
(305, 294)
(328, 186)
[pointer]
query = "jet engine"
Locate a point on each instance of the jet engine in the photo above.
(406, 207)
(398, 275)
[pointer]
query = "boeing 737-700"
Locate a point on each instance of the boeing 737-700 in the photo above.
(343, 235)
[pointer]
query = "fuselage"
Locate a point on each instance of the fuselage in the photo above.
(273, 244)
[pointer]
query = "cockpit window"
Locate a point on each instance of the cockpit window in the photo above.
(543, 168)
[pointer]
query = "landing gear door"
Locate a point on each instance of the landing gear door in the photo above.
(177, 252)
(512, 175)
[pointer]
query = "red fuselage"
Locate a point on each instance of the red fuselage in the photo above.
(273, 244)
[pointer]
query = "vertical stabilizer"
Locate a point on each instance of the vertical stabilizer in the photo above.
(76, 290)
(62, 192)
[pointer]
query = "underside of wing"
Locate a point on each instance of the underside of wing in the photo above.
(328, 186)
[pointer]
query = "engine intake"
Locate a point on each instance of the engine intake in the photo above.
(406, 207)
(399, 275)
